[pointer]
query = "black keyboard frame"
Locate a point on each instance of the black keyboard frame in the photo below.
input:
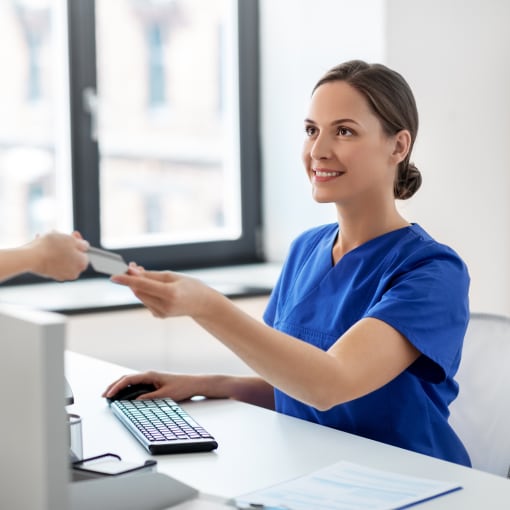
(158, 447)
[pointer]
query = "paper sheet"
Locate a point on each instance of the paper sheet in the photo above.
(348, 486)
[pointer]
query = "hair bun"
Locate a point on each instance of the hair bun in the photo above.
(408, 181)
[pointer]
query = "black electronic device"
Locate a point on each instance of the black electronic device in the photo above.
(132, 392)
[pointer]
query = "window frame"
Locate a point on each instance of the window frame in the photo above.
(85, 151)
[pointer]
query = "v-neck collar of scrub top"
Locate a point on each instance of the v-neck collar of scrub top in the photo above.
(329, 241)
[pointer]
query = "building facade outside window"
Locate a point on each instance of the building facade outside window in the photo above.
(133, 127)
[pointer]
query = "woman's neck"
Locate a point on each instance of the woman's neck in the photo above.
(357, 229)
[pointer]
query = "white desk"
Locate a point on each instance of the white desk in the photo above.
(259, 447)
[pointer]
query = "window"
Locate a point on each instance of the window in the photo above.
(34, 149)
(159, 123)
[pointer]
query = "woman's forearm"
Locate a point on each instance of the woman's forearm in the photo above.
(275, 356)
(365, 358)
(252, 390)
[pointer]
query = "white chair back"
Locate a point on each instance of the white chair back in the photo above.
(481, 413)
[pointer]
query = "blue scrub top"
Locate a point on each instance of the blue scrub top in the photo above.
(406, 279)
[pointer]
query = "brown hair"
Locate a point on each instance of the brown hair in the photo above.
(392, 100)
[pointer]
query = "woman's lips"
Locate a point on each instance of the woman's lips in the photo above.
(322, 175)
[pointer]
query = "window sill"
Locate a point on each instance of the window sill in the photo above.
(99, 294)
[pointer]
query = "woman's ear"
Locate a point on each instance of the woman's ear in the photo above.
(402, 144)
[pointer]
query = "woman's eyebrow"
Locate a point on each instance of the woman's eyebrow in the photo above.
(335, 122)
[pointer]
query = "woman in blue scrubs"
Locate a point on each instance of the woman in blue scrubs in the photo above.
(365, 326)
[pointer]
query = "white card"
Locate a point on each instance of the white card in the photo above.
(106, 261)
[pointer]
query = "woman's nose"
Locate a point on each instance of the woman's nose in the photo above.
(321, 148)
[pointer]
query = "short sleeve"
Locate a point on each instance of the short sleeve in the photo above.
(270, 311)
(427, 302)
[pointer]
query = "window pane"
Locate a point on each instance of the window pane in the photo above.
(34, 147)
(167, 122)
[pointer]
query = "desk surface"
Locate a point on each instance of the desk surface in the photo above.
(258, 447)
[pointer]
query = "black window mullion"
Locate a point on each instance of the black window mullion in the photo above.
(249, 125)
(84, 149)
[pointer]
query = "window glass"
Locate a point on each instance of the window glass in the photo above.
(135, 122)
(34, 149)
(167, 122)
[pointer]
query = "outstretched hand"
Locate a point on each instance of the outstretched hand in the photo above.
(59, 256)
(165, 293)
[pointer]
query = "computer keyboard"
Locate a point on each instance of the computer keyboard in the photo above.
(162, 426)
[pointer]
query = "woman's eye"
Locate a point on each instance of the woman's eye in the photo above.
(343, 131)
(310, 130)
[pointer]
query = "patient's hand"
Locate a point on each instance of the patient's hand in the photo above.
(58, 256)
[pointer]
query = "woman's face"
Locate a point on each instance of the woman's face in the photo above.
(346, 153)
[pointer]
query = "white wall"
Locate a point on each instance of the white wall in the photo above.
(300, 41)
(455, 55)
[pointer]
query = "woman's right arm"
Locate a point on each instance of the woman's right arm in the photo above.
(249, 389)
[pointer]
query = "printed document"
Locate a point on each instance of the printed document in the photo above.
(347, 486)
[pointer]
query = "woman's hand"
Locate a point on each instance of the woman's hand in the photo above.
(252, 390)
(177, 387)
(168, 294)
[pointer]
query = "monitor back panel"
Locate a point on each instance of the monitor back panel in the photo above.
(33, 434)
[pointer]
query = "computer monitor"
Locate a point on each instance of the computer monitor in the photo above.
(34, 438)
(33, 433)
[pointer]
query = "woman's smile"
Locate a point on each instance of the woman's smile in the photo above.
(324, 175)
